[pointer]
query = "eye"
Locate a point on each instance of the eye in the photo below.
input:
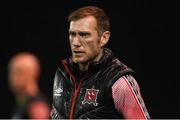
(84, 34)
(72, 34)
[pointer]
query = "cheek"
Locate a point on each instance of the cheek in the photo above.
(19, 78)
(93, 48)
(16, 82)
(92, 45)
(70, 43)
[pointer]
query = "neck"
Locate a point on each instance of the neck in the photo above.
(84, 66)
(32, 89)
(20, 99)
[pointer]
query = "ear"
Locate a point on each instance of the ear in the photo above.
(104, 38)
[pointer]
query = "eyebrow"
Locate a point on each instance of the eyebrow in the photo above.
(80, 32)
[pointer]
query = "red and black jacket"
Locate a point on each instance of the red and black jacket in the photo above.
(88, 94)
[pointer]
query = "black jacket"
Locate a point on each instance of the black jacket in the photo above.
(87, 95)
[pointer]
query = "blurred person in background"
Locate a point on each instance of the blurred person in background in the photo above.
(23, 74)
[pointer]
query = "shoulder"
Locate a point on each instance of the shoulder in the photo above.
(126, 83)
(120, 65)
(63, 63)
(119, 69)
(38, 107)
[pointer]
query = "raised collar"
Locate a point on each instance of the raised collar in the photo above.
(94, 66)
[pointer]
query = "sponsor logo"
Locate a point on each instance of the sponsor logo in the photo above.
(58, 92)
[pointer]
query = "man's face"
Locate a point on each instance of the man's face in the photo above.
(22, 71)
(18, 76)
(84, 40)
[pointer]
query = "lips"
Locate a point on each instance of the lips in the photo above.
(77, 52)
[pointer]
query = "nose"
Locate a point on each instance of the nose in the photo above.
(75, 41)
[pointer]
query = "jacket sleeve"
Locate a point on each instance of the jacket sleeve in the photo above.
(54, 114)
(127, 98)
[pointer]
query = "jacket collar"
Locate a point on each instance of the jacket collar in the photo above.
(94, 66)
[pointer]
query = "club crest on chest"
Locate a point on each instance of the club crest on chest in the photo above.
(91, 96)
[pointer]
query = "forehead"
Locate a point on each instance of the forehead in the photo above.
(83, 24)
(23, 62)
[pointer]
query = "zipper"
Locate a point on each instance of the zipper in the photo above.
(76, 91)
(75, 94)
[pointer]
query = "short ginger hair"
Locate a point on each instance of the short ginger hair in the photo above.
(102, 19)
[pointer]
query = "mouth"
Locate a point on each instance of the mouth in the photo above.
(76, 52)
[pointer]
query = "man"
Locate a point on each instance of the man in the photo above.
(92, 83)
(24, 71)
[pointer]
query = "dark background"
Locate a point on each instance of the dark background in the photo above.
(144, 36)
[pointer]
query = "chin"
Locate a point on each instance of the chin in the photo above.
(78, 60)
